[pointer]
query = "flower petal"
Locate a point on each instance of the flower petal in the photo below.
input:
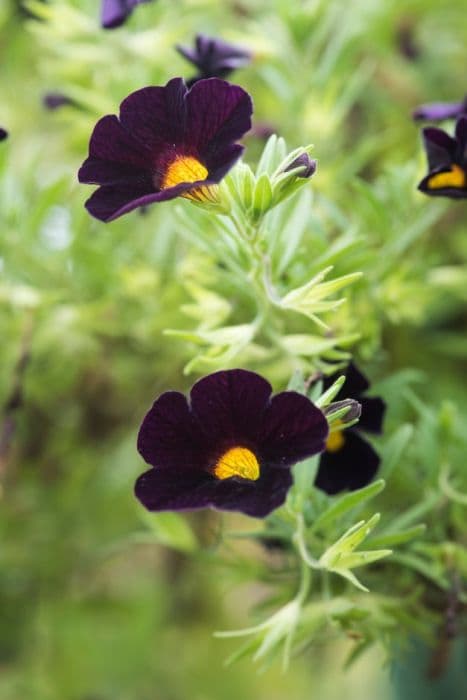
(160, 490)
(229, 405)
(372, 416)
(293, 429)
(217, 113)
(219, 164)
(461, 138)
(438, 111)
(112, 144)
(351, 467)
(156, 116)
(257, 498)
(167, 437)
(440, 147)
(109, 202)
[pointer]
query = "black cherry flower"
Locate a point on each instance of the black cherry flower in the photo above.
(349, 461)
(3, 134)
(230, 447)
(214, 58)
(447, 162)
(167, 142)
(439, 111)
(115, 12)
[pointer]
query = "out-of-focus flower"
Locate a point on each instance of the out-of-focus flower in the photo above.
(349, 461)
(438, 111)
(55, 100)
(406, 41)
(3, 134)
(447, 162)
(230, 448)
(115, 12)
(308, 166)
(263, 130)
(167, 142)
(214, 58)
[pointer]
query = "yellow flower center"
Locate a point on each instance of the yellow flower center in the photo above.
(455, 177)
(189, 169)
(183, 169)
(238, 461)
(335, 441)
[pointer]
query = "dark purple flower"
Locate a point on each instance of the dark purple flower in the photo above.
(115, 12)
(438, 111)
(447, 162)
(3, 134)
(230, 447)
(350, 462)
(214, 58)
(307, 164)
(167, 142)
(55, 100)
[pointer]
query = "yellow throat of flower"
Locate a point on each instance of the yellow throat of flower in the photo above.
(189, 169)
(455, 177)
(335, 441)
(238, 461)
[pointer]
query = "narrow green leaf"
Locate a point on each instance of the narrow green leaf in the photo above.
(350, 500)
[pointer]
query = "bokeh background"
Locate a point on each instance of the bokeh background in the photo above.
(93, 604)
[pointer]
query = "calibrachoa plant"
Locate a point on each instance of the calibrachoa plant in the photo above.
(349, 461)
(232, 445)
(271, 284)
(167, 142)
(447, 162)
(232, 448)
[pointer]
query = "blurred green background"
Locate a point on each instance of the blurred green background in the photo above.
(93, 606)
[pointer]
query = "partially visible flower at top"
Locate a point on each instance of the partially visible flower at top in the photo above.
(167, 142)
(231, 447)
(350, 462)
(214, 58)
(55, 100)
(447, 162)
(115, 12)
(308, 166)
(3, 134)
(438, 111)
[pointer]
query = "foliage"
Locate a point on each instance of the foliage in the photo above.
(287, 276)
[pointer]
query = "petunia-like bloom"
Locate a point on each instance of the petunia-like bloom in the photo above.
(447, 162)
(167, 142)
(115, 12)
(349, 461)
(214, 58)
(230, 447)
(3, 134)
(438, 111)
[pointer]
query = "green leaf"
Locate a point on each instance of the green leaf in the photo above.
(393, 449)
(398, 537)
(273, 153)
(340, 557)
(347, 502)
(171, 530)
(262, 195)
